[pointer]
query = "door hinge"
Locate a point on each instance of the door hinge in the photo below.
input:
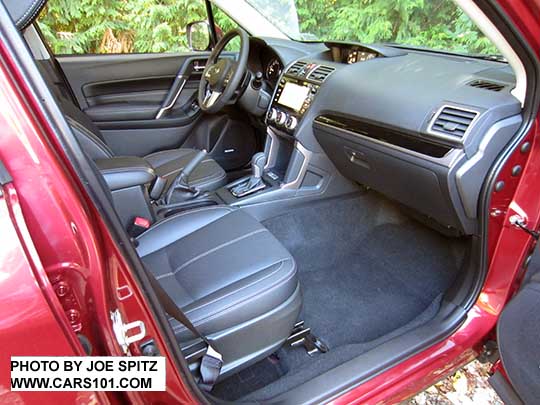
(520, 222)
(121, 330)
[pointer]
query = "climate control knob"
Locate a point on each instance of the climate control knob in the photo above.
(281, 118)
(291, 123)
(272, 115)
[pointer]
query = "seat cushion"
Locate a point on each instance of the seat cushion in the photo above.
(220, 265)
(207, 176)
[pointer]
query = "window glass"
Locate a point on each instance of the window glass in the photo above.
(225, 23)
(435, 24)
(119, 26)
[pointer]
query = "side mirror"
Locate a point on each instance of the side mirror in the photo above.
(198, 35)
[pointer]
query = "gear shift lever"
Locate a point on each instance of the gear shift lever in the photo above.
(257, 164)
(254, 182)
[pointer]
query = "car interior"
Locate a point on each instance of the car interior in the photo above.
(311, 207)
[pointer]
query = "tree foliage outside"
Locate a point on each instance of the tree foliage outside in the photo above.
(120, 26)
(436, 24)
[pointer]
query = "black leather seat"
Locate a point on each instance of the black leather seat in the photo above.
(232, 278)
(230, 275)
(207, 176)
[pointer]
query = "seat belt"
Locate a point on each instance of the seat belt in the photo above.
(212, 360)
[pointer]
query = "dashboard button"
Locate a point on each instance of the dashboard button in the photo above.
(272, 115)
(281, 118)
(291, 123)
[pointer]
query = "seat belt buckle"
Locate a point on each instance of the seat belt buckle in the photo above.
(138, 226)
(211, 365)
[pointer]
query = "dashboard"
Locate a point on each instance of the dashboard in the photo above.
(263, 58)
(422, 128)
(350, 53)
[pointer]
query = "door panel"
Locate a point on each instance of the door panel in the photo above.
(111, 74)
(122, 94)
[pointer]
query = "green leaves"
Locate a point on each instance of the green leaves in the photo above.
(437, 24)
(104, 26)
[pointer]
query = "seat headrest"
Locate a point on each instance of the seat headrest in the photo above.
(24, 12)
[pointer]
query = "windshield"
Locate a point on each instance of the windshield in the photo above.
(434, 24)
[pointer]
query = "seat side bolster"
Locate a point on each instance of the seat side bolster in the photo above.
(176, 227)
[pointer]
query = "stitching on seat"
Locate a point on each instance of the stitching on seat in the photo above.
(281, 262)
(162, 152)
(193, 211)
(177, 170)
(31, 10)
(200, 256)
(200, 321)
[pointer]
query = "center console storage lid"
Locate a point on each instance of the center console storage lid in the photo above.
(126, 171)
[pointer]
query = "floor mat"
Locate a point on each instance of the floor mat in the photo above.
(364, 268)
(366, 271)
(252, 378)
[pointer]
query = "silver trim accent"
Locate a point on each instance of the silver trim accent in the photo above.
(211, 98)
(447, 137)
(295, 184)
(272, 150)
(197, 67)
(166, 108)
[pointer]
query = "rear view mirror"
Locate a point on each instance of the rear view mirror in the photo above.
(198, 35)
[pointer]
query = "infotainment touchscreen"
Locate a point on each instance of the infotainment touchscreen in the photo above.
(293, 96)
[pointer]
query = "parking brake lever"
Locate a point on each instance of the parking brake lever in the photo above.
(181, 181)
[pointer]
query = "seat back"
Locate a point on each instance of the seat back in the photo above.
(88, 135)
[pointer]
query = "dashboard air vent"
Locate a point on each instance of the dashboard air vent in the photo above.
(453, 121)
(321, 73)
(483, 84)
(296, 68)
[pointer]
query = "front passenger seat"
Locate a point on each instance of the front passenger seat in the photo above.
(231, 277)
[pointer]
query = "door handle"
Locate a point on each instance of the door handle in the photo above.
(171, 97)
(182, 76)
(198, 67)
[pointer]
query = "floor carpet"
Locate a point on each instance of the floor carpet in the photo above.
(367, 274)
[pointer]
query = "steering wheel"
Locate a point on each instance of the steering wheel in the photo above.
(221, 77)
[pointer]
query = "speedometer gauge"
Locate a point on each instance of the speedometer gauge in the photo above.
(273, 70)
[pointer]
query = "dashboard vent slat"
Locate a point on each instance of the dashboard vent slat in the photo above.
(320, 73)
(453, 121)
(296, 68)
(486, 85)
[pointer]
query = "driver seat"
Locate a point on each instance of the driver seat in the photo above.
(207, 176)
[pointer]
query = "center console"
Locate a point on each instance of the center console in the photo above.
(290, 170)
